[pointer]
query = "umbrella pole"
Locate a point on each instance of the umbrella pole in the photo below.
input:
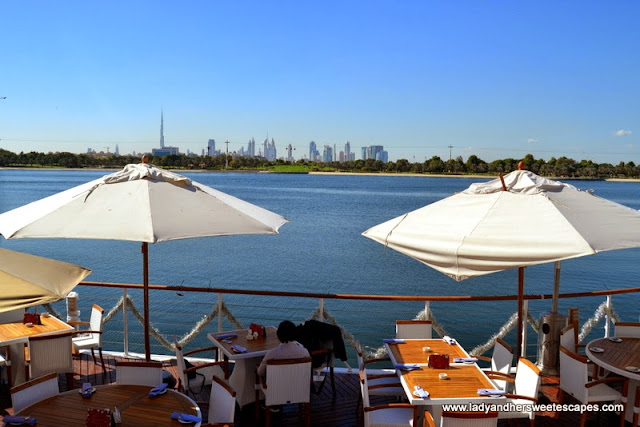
(556, 288)
(145, 279)
(520, 305)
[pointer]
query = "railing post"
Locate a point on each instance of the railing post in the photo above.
(607, 318)
(525, 314)
(125, 324)
(219, 312)
(321, 309)
(427, 309)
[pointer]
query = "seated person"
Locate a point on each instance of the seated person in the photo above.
(289, 348)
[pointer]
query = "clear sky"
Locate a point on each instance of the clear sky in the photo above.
(493, 78)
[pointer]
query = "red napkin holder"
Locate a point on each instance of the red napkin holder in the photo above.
(261, 330)
(33, 318)
(98, 418)
(439, 361)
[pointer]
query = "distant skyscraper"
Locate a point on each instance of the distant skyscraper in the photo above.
(164, 151)
(289, 153)
(251, 148)
(269, 149)
(314, 154)
(364, 153)
(117, 152)
(211, 147)
(327, 154)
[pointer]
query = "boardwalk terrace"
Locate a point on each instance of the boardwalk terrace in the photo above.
(325, 411)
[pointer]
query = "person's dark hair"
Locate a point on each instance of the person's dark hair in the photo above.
(286, 331)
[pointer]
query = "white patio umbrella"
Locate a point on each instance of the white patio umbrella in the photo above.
(141, 203)
(27, 280)
(498, 225)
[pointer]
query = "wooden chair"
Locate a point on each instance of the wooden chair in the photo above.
(139, 373)
(202, 373)
(51, 353)
(92, 337)
(222, 403)
(33, 391)
(287, 381)
(463, 419)
(636, 408)
(390, 414)
(413, 329)
(501, 361)
(574, 381)
(627, 329)
(525, 389)
(382, 382)
(569, 340)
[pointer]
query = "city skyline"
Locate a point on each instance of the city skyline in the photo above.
(420, 78)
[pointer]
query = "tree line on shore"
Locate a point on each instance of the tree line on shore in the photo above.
(558, 167)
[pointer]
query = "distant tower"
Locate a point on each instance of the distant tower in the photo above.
(161, 129)
(211, 147)
(117, 153)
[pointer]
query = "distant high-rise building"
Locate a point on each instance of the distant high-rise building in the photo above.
(164, 151)
(314, 154)
(364, 153)
(251, 148)
(289, 153)
(327, 154)
(117, 152)
(269, 149)
(211, 147)
(375, 152)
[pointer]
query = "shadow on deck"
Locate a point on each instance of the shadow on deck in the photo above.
(325, 411)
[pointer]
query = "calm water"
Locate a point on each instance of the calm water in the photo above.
(320, 250)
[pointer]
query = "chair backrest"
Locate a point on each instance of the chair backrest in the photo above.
(12, 316)
(288, 381)
(413, 329)
(569, 338)
(50, 353)
(33, 391)
(95, 322)
(627, 329)
(183, 381)
(359, 353)
(527, 382)
(573, 374)
(469, 419)
(139, 373)
(501, 360)
(222, 404)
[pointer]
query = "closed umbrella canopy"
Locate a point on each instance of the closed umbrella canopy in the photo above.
(27, 280)
(140, 203)
(492, 226)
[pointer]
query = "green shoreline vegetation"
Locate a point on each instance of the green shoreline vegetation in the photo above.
(561, 167)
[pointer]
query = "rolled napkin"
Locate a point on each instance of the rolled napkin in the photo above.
(87, 390)
(420, 392)
(448, 339)
(393, 341)
(186, 417)
(158, 390)
(239, 348)
(490, 392)
(225, 336)
(464, 359)
(17, 419)
(407, 366)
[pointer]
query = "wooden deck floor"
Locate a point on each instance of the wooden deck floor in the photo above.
(325, 411)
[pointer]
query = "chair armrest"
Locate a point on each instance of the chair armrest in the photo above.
(381, 359)
(378, 376)
(224, 364)
(499, 376)
(483, 358)
(428, 420)
(214, 349)
(604, 381)
(388, 405)
(519, 396)
(77, 322)
(376, 386)
(85, 332)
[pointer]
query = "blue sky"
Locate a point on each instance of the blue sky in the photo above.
(493, 78)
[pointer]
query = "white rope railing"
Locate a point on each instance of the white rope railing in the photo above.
(321, 313)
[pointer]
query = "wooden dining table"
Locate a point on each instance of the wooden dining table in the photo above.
(15, 335)
(136, 408)
(620, 356)
(243, 379)
(460, 385)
